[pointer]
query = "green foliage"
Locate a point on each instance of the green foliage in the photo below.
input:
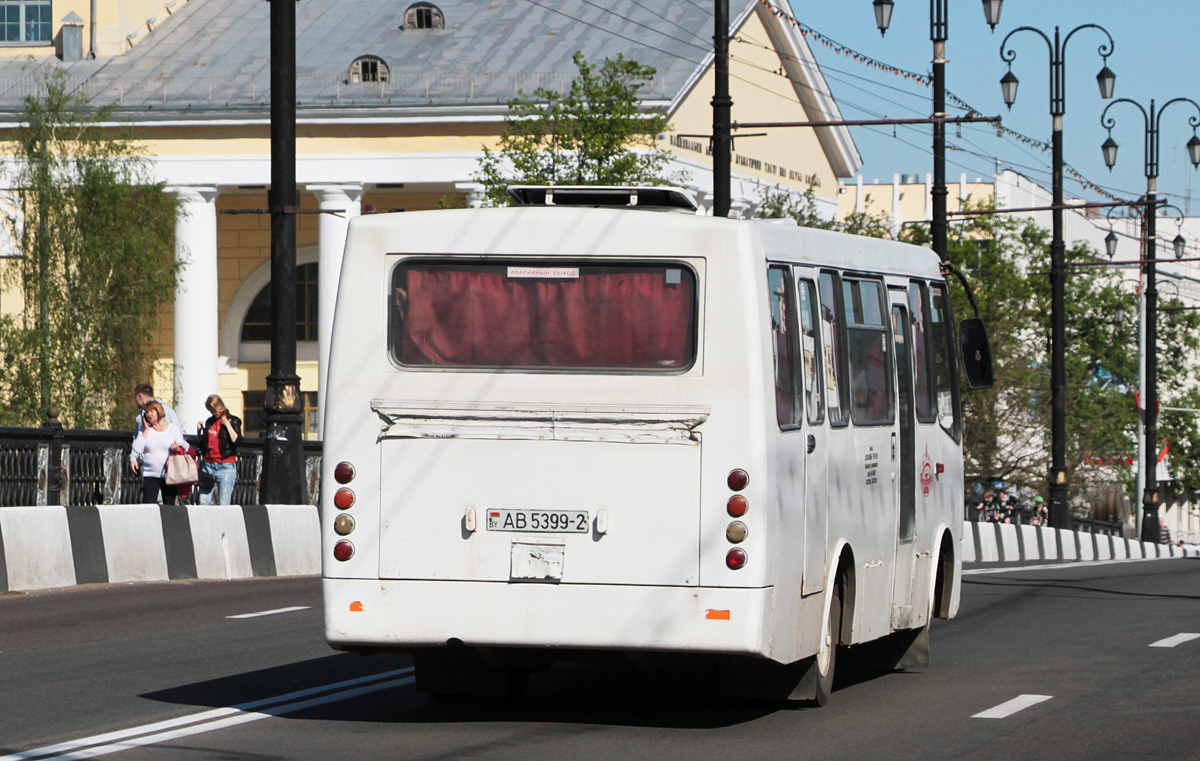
(594, 134)
(1008, 426)
(97, 245)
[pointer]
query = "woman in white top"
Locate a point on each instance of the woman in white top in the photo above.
(157, 441)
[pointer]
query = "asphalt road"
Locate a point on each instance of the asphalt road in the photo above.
(1070, 662)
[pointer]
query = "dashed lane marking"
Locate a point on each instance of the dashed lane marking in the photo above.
(1019, 703)
(270, 612)
(1178, 639)
(219, 718)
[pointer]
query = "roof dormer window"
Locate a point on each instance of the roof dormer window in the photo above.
(424, 16)
(368, 68)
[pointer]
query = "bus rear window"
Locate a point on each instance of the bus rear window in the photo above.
(543, 316)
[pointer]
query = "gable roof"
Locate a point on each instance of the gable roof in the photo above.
(210, 60)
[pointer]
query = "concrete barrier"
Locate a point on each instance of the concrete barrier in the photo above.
(37, 548)
(1007, 543)
(45, 547)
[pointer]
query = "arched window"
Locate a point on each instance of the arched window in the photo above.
(257, 326)
(424, 16)
(368, 68)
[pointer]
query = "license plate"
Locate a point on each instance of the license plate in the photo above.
(541, 521)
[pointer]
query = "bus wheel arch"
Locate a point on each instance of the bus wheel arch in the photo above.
(844, 577)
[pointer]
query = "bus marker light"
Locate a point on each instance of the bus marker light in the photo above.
(735, 558)
(343, 550)
(343, 524)
(469, 519)
(344, 498)
(602, 521)
(738, 479)
(356, 607)
(736, 532)
(716, 615)
(343, 473)
(737, 506)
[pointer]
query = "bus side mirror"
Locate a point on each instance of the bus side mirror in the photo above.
(976, 353)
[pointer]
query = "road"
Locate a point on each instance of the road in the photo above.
(1069, 662)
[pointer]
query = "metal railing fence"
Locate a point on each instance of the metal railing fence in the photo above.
(60, 466)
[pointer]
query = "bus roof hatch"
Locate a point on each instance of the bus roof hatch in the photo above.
(657, 198)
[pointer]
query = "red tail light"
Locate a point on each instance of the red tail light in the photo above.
(343, 473)
(735, 558)
(343, 550)
(344, 498)
(738, 479)
(737, 506)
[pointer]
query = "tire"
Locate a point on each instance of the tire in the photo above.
(826, 663)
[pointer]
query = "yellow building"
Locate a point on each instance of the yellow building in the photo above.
(394, 104)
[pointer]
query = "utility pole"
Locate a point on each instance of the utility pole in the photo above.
(722, 106)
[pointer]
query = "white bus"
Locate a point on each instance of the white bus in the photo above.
(567, 428)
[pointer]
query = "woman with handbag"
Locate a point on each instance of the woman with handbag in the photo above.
(157, 442)
(218, 446)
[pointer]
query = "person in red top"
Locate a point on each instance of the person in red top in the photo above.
(218, 446)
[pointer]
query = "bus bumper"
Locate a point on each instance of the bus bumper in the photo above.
(410, 615)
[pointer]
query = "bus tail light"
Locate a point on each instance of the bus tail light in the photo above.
(737, 506)
(344, 498)
(738, 479)
(343, 473)
(343, 550)
(343, 524)
(736, 532)
(735, 558)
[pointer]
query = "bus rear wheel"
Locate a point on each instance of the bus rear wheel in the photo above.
(826, 661)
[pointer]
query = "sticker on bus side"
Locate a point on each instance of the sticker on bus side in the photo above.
(555, 273)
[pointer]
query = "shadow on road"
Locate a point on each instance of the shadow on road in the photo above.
(567, 693)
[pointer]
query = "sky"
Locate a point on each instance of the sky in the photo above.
(1154, 56)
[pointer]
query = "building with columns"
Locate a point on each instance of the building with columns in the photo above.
(394, 105)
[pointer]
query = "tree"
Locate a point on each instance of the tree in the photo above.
(97, 261)
(596, 133)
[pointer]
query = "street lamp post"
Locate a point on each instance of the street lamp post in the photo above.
(939, 28)
(283, 457)
(1059, 508)
(1151, 119)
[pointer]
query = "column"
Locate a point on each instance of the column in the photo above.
(475, 193)
(346, 200)
(196, 306)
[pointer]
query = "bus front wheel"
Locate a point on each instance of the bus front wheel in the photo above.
(826, 661)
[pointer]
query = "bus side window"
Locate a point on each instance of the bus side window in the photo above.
(810, 348)
(918, 306)
(837, 391)
(872, 397)
(942, 337)
(783, 342)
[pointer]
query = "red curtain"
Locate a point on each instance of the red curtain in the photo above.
(606, 318)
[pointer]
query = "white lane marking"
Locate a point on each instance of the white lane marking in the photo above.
(231, 721)
(1178, 639)
(214, 714)
(270, 612)
(1019, 703)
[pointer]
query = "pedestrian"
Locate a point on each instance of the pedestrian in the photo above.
(218, 447)
(143, 394)
(158, 440)
(1041, 514)
(1164, 533)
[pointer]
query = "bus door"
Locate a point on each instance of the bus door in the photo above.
(815, 388)
(902, 587)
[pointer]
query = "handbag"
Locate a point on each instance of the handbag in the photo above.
(206, 480)
(181, 469)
